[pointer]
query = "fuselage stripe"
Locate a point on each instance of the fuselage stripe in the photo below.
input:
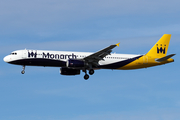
(119, 64)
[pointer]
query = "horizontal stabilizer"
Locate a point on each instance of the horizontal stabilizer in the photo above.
(165, 58)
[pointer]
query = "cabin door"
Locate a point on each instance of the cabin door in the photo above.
(24, 53)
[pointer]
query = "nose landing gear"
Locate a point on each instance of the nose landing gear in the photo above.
(23, 71)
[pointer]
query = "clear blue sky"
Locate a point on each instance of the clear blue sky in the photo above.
(89, 25)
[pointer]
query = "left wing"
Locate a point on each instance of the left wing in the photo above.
(94, 58)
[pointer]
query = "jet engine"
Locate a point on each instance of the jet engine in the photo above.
(69, 71)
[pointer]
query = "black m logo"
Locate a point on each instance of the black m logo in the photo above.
(32, 54)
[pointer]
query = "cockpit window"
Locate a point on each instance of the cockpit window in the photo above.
(13, 53)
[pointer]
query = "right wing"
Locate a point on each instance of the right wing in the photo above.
(94, 58)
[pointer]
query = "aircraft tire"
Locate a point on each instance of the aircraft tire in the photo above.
(22, 72)
(91, 71)
(86, 76)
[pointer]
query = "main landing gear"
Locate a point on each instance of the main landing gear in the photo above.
(86, 76)
(23, 71)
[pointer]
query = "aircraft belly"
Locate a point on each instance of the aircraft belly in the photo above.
(40, 62)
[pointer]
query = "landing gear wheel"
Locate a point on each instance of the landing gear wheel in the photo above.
(91, 71)
(86, 76)
(22, 71)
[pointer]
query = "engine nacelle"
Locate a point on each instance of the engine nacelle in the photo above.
(69, 71)
(75, 63)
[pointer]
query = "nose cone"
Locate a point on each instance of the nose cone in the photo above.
(6, 59)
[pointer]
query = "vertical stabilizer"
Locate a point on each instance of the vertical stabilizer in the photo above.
(161, 47)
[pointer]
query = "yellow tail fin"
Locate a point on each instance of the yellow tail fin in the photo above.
(161, 47)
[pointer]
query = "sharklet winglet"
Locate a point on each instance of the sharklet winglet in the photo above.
(118, 44)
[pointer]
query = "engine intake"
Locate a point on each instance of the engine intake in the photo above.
(69, 71)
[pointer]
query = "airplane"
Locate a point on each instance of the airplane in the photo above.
(71, 63)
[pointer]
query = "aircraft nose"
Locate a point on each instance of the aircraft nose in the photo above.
(6, 59)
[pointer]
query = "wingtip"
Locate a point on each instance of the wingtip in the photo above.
(118, 44)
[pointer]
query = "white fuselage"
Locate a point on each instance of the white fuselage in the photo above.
(59, 58)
